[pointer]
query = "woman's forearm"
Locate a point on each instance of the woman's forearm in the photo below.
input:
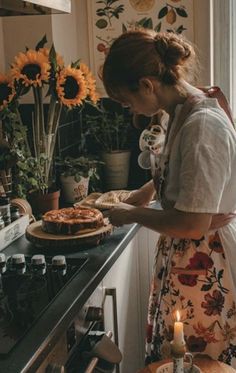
(149, 189)
(173, 223)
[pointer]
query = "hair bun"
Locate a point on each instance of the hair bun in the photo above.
(172, 48)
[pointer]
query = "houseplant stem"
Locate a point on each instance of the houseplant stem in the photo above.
(36, 123)
(52, 134)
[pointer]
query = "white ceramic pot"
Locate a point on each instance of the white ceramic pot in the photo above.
(72, 190)
(116, 169)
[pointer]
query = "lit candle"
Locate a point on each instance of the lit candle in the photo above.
(178, 331)
(178, 346)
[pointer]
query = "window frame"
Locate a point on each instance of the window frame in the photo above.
(224, 48)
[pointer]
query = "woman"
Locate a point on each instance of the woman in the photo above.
(195, 180)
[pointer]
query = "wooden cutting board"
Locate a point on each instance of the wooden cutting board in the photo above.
(206, 365)
(38, 237)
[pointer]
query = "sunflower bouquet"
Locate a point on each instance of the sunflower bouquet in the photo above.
(43, 71)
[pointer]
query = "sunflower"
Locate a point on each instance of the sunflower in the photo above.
(91, 83)
(7, 91)
(71, 86)
(32, 68)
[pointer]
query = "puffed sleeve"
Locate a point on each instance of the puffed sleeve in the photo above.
(206, 151)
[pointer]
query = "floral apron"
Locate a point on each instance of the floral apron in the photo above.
(190, 276)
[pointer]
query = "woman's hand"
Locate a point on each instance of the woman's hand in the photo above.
(142, 196)
(120, 214)
(220, 220)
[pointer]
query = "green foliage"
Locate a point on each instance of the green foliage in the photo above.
(108, 10)
(80, 167)
(28, 171)
(108, 130)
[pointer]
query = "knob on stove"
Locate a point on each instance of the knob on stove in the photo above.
(38, 260)
(59, 260)
(59, 263)
(17, 259)
(38, 263)
(18, 263)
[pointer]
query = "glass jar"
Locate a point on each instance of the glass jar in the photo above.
(15, 213)
(2, 224)
(5, 209)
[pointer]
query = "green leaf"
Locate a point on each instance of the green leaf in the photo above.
(220, 274)
(148, 23)
(181, 12)
(100, 12)
(158, 27)
(53, 56)
(163, 12)
(124, 28)
(41, 43)
(180, 29)
(75, 64)
(206, 287)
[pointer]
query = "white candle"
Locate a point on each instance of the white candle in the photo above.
(178, 331)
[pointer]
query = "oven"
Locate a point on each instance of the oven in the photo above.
(86, 347)
(28, 284)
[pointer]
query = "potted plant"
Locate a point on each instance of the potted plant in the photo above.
(110, 132)
(77, 175)
(43, 71)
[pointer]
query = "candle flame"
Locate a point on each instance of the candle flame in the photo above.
(177, 315)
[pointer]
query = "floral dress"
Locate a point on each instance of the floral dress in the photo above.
(196, 277)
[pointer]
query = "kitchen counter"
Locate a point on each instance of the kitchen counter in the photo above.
(47, 329)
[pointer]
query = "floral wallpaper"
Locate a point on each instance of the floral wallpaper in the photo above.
(109, 18)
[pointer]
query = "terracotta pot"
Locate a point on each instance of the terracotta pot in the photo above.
(42, 203)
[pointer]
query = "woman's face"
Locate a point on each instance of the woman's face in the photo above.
(144, 101)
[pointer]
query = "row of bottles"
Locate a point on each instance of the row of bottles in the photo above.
(17, 263)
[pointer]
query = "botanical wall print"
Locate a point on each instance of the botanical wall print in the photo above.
(109, 18)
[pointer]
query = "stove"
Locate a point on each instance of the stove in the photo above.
(28, 285)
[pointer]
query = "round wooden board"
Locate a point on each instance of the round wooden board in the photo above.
(38, 237)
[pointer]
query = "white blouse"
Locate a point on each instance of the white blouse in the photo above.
(202, 168)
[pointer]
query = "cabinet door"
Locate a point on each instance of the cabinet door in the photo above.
(130, 277)
(147, 240)
(123, 276)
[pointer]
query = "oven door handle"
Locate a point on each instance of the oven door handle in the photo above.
(92, 365)
(94, 361)
(111, 292)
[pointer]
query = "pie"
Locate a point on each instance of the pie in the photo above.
(72, 220)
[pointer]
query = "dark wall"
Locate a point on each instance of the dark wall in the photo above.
(69, 138)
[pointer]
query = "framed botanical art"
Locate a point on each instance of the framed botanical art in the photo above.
(109, 18)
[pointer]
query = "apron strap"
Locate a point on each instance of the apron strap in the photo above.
(190, 102)
(215, 92)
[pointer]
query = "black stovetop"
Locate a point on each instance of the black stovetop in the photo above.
(26, 290)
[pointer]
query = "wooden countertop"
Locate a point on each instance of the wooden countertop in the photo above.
(206, 364)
